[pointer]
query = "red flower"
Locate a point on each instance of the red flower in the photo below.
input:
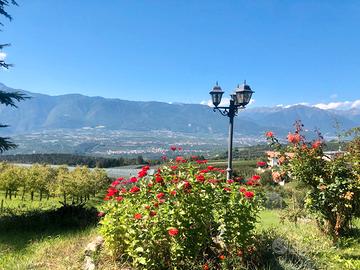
(293, 138)
(134, 189)
(194, 157)
(173, 148)
(174, 168)
(141, 174)
(255, 177)
(210, 168)
(133, 180)
(249, 194)
(200, 178)
(261, 164)
(164, 158)
(206, 267)
(160, 195)
(227, 189)
(158, 178)
(119, 199)
(106, 198)
(111, 192)
(137, 216)
(123, 190)
(222, 257)
(152, 213)
(204, 161)
(101, 214)
(242, 189)
(173, 231)
(173, 192)
(180, 148)
(230, 181)
(316, 144)
(180, 160)
(147, 207)
(269, 134)
(115, 183)
(146, 168)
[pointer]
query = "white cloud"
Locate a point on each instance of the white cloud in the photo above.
(338, 105)
(2, 56)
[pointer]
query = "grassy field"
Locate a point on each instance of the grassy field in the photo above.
(52, 246)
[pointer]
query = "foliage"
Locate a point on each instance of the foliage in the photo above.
(77, 185)
(183, 212)
(333, 184)
(73, 160)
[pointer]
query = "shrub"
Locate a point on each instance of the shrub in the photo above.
(333, 184)
(181, 213)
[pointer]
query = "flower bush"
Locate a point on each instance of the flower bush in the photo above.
(184, 212)
(333, 184)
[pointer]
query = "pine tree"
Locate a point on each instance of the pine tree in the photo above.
(7, 98)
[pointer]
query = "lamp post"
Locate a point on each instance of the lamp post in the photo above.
(239, 99)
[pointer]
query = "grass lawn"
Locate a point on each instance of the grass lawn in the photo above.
(34, 242)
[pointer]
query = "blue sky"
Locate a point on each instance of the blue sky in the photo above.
(174, 51)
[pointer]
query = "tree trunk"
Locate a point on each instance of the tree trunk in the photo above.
(32, 195)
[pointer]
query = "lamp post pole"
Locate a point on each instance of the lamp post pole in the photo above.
(239, 99)
(231, 114)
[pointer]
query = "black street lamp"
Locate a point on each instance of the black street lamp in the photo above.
(239, 99)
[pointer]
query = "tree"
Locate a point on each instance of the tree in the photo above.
(7, 98)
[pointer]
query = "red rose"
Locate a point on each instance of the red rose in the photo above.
(269, 134)
(293, 138)
(137, 216)
(173, 231)
(316, 144)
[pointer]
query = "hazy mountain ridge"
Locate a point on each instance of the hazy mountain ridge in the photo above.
(78, 111)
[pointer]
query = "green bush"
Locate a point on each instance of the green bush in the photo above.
(180, 214)
(333, 184)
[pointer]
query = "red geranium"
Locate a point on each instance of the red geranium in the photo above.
(173, 231)
(174, 168)
(160, 195)
(261, 164)
(134, 189)
(249, 194)
(256, 177)
(119, 199)
(137, 216)
(200, 178)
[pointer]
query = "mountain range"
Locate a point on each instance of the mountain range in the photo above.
(74, 111)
